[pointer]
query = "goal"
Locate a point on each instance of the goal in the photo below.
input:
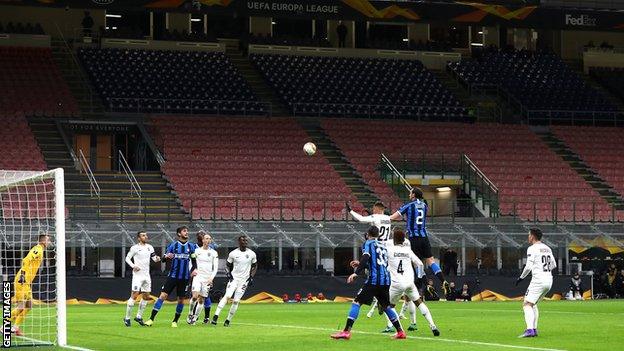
(32, 204)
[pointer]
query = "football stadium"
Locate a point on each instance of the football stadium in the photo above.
(312, 175)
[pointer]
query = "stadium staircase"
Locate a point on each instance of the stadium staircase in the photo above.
(158, 204)
(88, 101)
(255, 80)
(339, 162)
(487, 107)
(577, 163)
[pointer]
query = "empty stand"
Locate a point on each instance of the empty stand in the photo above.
(529, 176)
(342, 86)
(249, 169)
(32, 84)
(601, 148)
(540, 82)
(611, 78)
(171, 81)
(18, 145)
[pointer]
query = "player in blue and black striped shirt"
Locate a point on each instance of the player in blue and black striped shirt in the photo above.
(377, 284)
(181, 253)
(415, 214)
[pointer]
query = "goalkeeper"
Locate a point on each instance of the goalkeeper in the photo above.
(23, 282)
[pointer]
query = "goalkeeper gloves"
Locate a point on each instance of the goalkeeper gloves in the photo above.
(519, 280)
(22, 278)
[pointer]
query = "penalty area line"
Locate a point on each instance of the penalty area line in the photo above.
(457, 341)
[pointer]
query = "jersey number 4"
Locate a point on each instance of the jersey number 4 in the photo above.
(546, 263)
(400, 267)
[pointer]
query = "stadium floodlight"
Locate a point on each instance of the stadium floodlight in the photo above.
(33, 224)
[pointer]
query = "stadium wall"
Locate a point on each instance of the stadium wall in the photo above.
(90, 289)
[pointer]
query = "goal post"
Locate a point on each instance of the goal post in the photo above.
(32, 204)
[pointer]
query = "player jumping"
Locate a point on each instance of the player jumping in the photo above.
(207, 267)
(139, 259)
(374, 257)
(242, 266)
(540, 262)
(415, 213)
(382, 221)
(23, 282)
(401, 264)
(181, 253)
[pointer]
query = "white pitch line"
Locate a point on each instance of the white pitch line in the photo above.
(45, 342)
(541, 311)
(410, 337)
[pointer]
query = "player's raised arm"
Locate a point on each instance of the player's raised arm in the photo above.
(398, 215)
(358, 217)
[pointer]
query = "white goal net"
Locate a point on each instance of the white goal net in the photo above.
(32, 257)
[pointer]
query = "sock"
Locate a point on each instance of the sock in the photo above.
(233, 309)
(529, 316)
(179, 309)
(20, 316)
(437, 271)
(353, 315)
(193, 307)
(373, 306)
(536, 314)
(207, 304)
(425, 312)
(14, 314)
(129, 306)
(411, 306)
(156, 308)
(220, 307)
(142, 306)
(388, 322)
(394, 318)
(200, 307)
(403, 308)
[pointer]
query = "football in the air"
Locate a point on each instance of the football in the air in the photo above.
(309, 148)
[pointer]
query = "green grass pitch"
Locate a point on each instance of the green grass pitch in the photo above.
(563, 325)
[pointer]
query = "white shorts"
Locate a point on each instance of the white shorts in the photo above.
(200, 285)
(399, 289)
(536, 291)
(141, 283)
(235, 289)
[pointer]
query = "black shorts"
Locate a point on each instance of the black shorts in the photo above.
(421, 247)
(368, 292)
(179, 284)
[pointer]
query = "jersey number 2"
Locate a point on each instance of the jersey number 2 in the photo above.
(546, 263)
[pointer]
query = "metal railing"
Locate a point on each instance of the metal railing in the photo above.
(385, 161)
(593, 118)
(373, 111)
(485, 191)
(135, 187)
(190, 106)
(84, 164)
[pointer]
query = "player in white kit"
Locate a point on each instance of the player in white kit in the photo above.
(242, 266)
(207, 266)
(382, 221)
(540, 263)
(402, 262)
(139, 258)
